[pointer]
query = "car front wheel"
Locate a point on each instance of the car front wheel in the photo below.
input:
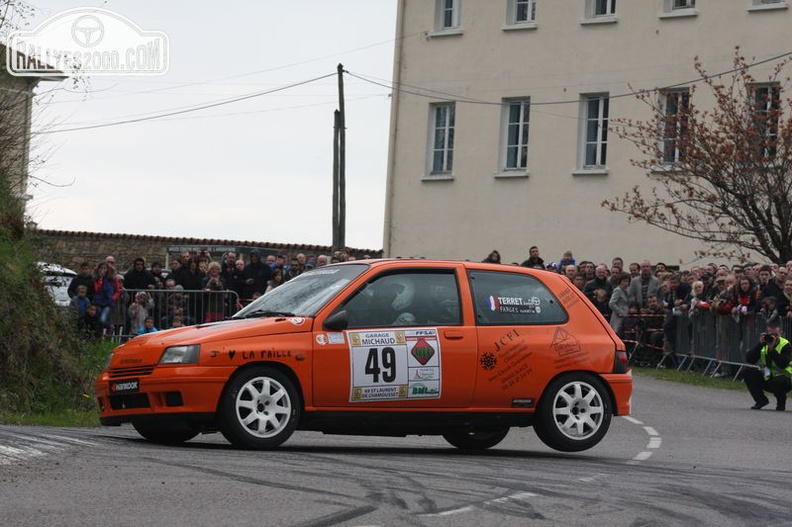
(574, 413)
(259, 409)
(476, 439)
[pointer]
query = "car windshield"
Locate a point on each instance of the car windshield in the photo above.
(305, 294)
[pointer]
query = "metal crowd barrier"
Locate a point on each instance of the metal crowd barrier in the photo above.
(714, 344)
(169, 308)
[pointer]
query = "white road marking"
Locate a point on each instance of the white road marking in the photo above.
(654, 441)
(18, 448)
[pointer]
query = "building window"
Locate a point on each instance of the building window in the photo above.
(766, 107)
(671, 5)
(595, 8)
(767, 5)
(517, 115)
(595, 130)
(522, 11)
(443, 138)
(448, 14)
(675, 106)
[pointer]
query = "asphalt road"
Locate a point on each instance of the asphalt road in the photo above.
(687, 456)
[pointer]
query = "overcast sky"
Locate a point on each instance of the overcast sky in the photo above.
(255, 170)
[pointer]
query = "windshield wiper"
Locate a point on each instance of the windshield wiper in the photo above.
(262, 313)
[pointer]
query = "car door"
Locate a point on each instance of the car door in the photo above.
(405, 344)
(523, 335)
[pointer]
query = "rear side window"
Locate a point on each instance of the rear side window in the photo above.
(513, 299)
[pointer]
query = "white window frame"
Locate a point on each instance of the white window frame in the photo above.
(521, 140)
(445, 9)
(767, 5)
(681, 4)
(672, 128)
(592, 5)
(529, 8)
(442, 121)
(600, 136)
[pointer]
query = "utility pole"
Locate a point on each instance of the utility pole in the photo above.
(339, 168)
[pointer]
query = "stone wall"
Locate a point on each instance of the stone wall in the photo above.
(70, 248)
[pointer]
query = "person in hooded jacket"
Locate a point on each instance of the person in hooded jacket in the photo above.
(257, 275)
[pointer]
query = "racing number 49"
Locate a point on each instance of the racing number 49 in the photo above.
(384, 364)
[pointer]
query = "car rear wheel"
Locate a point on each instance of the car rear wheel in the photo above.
(259, 409)
(476, 439)
(165, 433)
(574, 413)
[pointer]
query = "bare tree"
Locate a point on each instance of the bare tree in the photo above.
(722, 174)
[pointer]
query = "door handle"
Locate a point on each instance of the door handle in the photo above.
(453, 334)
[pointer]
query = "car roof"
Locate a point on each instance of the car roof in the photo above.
(54, 269)
(425, 262)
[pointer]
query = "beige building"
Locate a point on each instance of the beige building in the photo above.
(501, 109)
(16, 114)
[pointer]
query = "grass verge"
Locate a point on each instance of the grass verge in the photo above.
(688, 377)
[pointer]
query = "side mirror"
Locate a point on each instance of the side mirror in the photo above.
(337, 321)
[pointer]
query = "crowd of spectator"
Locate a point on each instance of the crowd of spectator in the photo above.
(651, 299)
(197, 288)
(639, 298)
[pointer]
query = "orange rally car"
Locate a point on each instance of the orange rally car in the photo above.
(382, 347)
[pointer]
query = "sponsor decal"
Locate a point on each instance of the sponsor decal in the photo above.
(488, 361)
(321, 339)
(394, 365)
(266, 354)
(568, 297)
(422, 390)
(335, 338)
(506, 340)
(231, 354)
(297, 321)
(131, 361)
(509, 362)
(126, 386)
(422, 351)
(423, 374)
(377, 338)
(564, 342)
(517, 305)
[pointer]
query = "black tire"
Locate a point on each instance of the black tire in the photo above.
(476, 439)
(165, 433)
(259, 409)
(574, 413)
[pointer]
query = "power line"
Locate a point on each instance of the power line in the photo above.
(185, 110)
(451, 97)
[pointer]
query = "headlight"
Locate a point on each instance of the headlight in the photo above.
(181, 355)
(107, 362)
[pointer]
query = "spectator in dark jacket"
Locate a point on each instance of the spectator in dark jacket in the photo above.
(257, 275)
(138, 277)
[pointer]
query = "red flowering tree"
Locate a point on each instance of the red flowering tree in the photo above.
(721, 173)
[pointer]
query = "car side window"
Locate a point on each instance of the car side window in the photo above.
(509, 299)
(425, 298)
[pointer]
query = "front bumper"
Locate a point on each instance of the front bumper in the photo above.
(125, 396)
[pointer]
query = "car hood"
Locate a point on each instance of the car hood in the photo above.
(206, 333)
